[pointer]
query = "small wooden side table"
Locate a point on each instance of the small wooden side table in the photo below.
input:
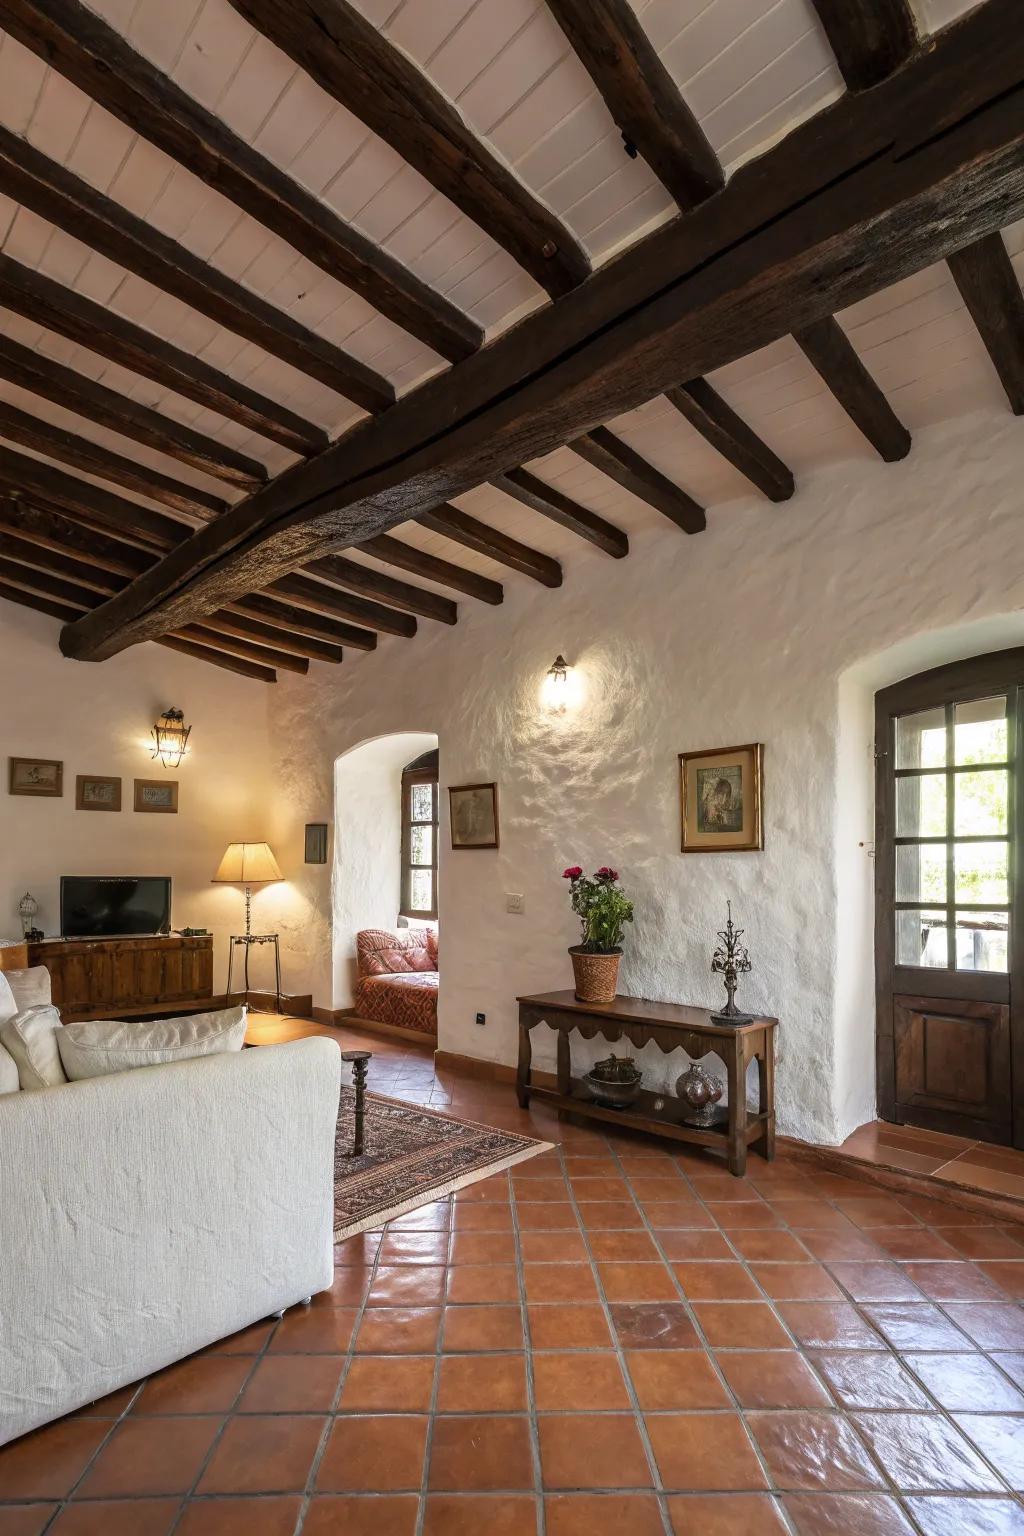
(247, 940)
(669, 1025)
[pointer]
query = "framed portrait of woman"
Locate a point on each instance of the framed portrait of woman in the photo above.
(722, 792)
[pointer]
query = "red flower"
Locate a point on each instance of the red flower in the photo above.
(604, 873)
(572, 873)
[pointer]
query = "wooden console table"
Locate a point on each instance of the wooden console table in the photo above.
(669, 1025)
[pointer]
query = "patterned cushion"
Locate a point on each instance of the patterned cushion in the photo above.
(408, 1002)
(382, 953)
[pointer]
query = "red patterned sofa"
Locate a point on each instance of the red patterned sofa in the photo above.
(398, 978)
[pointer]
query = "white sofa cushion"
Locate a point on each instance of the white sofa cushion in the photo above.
(9, 1079)
(8, 1007)
(31, 1038)
(31, 987)
(102, 1047)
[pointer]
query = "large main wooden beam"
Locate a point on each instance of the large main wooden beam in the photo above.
(988, 285)
(870, 38)
(878, 186)
(353, 62)
(54, 193)
(100, 329)
(641, 95)
(82, 47)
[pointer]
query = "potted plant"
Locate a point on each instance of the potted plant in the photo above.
(603, 911)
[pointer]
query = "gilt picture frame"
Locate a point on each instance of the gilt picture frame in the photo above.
(97, 792)
(473, 815)
(722, 799)
(35, 776)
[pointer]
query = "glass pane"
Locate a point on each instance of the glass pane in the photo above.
(921, 805)
(422, 802)
(982, 941)
(421, 845)
(422, 890)
(921, 872)
(980, 731)
(921, 739)
(981, 802)
(981, 872)
(921, 938)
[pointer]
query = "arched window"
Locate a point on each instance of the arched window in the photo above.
(419, 837)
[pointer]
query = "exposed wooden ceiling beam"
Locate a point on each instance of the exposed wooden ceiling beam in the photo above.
(30, 578)
(988, 285)
(256, 605)
(873, 189)
(870, 38)
(621, 463)
(19, 472)
(66, 612)
(342, 605)
(216, 640)
(373, 583)
(56, 531)
(33, 432)
(228, 623)
(100, 329)
(59, 563)
(76, 392)
(74, 206)
(828, 348)
(551, 502)
(353, 62)
(84, 49)
(463, 529)
(406, 557)
(720, 426)
(236, 664)
(641, 95)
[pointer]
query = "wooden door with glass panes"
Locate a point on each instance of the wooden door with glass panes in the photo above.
(950, 1055)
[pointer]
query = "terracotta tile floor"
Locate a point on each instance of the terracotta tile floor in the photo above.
(609, 1338)
(951, 1159)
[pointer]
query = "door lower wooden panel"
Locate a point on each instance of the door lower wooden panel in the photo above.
(953, 1069)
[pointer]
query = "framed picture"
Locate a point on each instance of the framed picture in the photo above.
(156, 795)
(722, 793)
(474, 815)
(316, 842)
(35, 776)
(97, 792)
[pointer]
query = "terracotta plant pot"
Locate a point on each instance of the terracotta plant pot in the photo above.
(596, 976)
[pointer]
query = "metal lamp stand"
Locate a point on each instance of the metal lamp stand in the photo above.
(246, 940)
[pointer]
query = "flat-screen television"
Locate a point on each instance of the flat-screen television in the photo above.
(114, 906)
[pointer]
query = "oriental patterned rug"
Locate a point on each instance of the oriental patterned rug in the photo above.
(413, 1156)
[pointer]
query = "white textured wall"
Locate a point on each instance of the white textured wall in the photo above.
(97, 719)
(741, 634)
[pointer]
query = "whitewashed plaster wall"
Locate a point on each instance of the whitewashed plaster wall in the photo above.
(96, 719)
(751, 631)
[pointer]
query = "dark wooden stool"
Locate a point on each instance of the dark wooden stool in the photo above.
(360, 1066)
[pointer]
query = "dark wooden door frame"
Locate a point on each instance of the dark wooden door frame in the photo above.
(978, 677)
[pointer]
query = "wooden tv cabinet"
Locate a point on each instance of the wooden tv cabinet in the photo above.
(104, 978)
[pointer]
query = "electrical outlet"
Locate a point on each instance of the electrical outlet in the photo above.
(515, 903)
(481, 1018)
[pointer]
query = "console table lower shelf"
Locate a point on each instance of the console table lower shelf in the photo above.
(669, 1025)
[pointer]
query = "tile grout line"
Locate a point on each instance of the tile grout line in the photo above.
(531, 1390)
(435, 1382)
(103, 1443)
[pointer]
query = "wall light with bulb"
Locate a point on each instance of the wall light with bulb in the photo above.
(562, 686)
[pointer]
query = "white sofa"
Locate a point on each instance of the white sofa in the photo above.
(147, 1214)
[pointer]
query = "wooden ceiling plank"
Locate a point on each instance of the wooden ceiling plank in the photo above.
(50, 380)
(21, 473)
(983, 272)
(870, 191)
(551, 502)
(373, 583)
(216, 640)
(355, 64)
(406, 557)
(228, 623)
(301, 622)
(58, 443)
(646, 104)
(621, 463)
(102, 330)
(236, 664)
(730, 436)
(828, 348)
(87, 51)
(870, 38)
(308, 593)
(56, 531)
(54, 193)
(463, 529)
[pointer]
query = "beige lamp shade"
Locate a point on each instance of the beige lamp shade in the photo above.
(248, 864)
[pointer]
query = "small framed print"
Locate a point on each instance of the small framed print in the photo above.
(316, 842)
(157, 795)
(97, 792)
(474, 815)
(722, 796)
(35, 776)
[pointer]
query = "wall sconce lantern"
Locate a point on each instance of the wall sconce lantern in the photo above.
(559, 675)
(170, 737)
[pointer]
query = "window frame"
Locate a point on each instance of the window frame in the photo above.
(413, 777)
